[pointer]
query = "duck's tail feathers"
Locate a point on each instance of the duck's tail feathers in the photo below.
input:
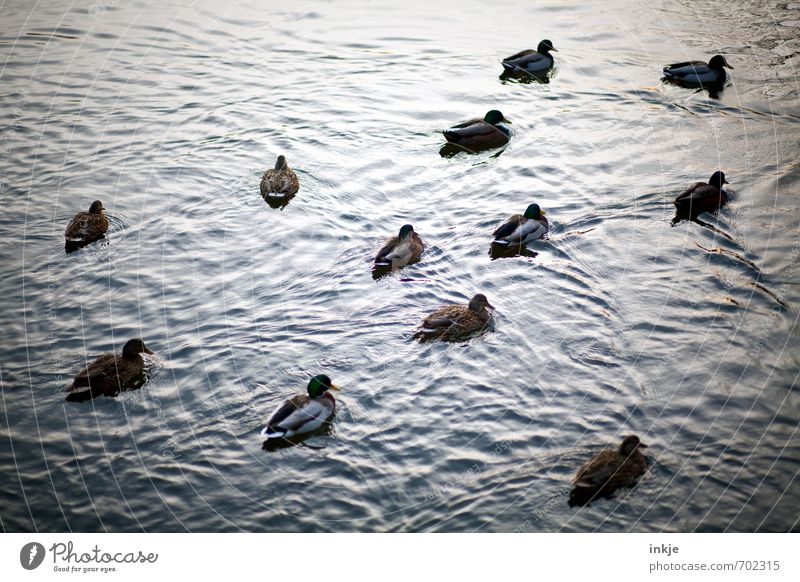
(270, 433)
(508, 66)
(451, 136)
(501, 241)
(383, 263)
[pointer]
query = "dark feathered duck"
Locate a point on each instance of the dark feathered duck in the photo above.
(456, 322)
(609, 470)
(701, 197)
(400, 250)
(87, 226)
(480, 134)
(521, 228)
(280, 181)
(698, 73)
(110, 374)
(303, 413)
(531, 61)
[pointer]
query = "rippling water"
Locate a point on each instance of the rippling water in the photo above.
(170, 113)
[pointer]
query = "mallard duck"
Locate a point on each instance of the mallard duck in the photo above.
(400, 250)
(698, 72)
(701, 197)
(522, 228)
(531, 61)
(609, 470)
(110, 374)
(479, 134)
(455, 322)
(303, 413)
(280, 181)
(87, 226)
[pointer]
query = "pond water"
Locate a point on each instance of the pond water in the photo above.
(619, 323)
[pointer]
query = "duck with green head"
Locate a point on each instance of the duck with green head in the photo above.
(400, 250)
(521, 228)
(480, 134)
(531, 61)
(110, 374)
(303, 413)
(698, 73)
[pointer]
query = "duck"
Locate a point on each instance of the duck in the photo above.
(456, 322)
(400, 250)
(531, 61)
(87, 226)
(699, 72)
(609, 470)
(522, 228)
(480, 134)
(303, 413)
(701, 197)
(110, 374)
(280, 181)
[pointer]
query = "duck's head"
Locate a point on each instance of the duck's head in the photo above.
(629, 444)
(320, 384)
(96, 207)
(533, 211)
(718, 179)
(405, 231)
(479, 303)
(494, 117)
(133, 348)
(718, 61)
(545, 47)
(281, 162)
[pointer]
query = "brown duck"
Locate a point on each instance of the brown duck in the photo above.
(609, 470)
(110, 374)
(456, 322)
(87, 226)
(701, 197)
(400, 250)
(280, 181)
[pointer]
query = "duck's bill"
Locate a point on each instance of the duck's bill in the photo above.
(642, 446)
(553, 50)
(506, 121)
(725, 182)
(728, 65)
(542, 212)
(148, 351)
(489, 305)
(335, 388)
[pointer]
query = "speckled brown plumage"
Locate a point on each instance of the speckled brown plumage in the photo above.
(87, 226)
(456, 322)
(609, 470)
(280, 180)
(110, 374)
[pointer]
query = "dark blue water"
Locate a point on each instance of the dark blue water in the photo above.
(170, 113)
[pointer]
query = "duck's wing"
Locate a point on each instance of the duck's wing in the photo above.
(86, 225)
(279, 182)
(386, 249)
(687, 68)
(696, 191)
(505, 230)
(101, 369)
(294, 414)
(599, 470)
(527, 59)
(469, 130)
(445, 317)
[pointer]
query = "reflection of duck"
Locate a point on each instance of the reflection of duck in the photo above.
(110, 374)
(701, 197)
(280, 182)
(698, 73)
(86, 227)
(609, 470)
(480, 134)
(522, 228)
(456, 322)
(531, 61)
(303, 413)
(400, 250)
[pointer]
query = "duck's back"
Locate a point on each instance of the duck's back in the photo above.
(281, 182)
(86, 226)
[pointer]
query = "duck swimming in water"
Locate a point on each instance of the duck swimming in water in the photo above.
(280, 181)
(110, 374)
(86, 227)
(400, 250)
(522, 228)
(531, 61)
(701, 197)
(456, 322)
(698, 73)
(303, 413)
(479, 134)
(609, 470)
